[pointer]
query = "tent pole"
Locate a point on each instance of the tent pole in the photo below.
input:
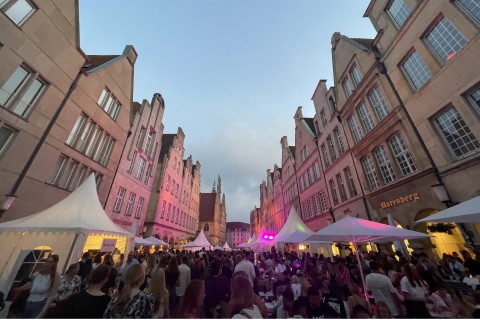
(71, 252)
(361, 273)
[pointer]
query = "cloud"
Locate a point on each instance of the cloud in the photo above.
(240, 153)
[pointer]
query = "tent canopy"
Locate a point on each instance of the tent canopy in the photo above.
(296, 236)
(226, 246)
(200, 242)
(252, 240)
(156, 242)
(356, 230)
(293, 223)
(80, 210)
(465, 212)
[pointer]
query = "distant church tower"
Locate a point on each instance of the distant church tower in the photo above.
(213, 214)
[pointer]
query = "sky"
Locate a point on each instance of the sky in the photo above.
(232, 74)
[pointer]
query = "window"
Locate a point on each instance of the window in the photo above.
(149, 173)
(356, 75)
(384, 164)
(303, 153)
(316, 205)
(174, 209)
(206, 227)
(324, 118)
(354, 128)
(162, 213)
(176, 193)
(326, 159)
(138, 212)
(378, 103)
(172, 190)
(69, 173)
(366, 118)
(21, 91)
(341, 187)
(130, 202)
(117, 206)
(331, 105)
(132, 162)
(416, 70)
(400, 152)
(168, 211)
(331, 149)
(149, 146)
(456, 133)
(474, 98)
(347, 87)
(17, 10)
(445, 40)
(339, 141)
(109, 103)
(370, 173)
(350, 183)
(316, 167)
(7, 135)
(141, 137)
(140, 168)
(333, 190)
(399, 11)
(178, 214)
(471, 7)
(168, 184)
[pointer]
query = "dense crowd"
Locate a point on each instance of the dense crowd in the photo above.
(240, 284)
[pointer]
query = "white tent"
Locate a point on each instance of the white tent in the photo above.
(294, 224)
(142, 242)
(156, 242)
(465, 212)
(218, 248)
(252, 240)
(199, 243)
(243, 245)
(226, 247)
(74, 225)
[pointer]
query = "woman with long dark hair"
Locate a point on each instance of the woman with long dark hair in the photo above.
(131, 302)
(192, 300)
(172, 274)
(416, 293)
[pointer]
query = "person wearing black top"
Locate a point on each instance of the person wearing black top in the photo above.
(217, 289)
(316, 308)
(90, 303)
(172, 274)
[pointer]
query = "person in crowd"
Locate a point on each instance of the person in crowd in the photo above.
(119, 263)
(192, 300)
(300, 308)
(383, 312)
(227, 269)
(279, 267)
(111, 283)
(43, 289)
(85, 269)
(247, 266)
(92, 302)
(356, 297)
(456, 268)
(476, 299)
(131, 302)
(184, 278)
(286, 309)
(128, 263)
(443, 305)
(242, 302)
(382, 289)
(416, 293)
(316, 308)
(97, 260)
(258, 301)
(151, 263)
(70, 284)
(162, 264)
(359, 312)
(217, 290)
(342, 278)
(172, 274)
(158, 289)
(473, 265)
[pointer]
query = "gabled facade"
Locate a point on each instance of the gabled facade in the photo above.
(213, 215)
(130, 193)
(340, 175)
(313, 198)
(429, 50)
(255, 221)
(289, 178)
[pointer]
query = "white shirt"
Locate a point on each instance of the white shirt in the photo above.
(382, 290)
(248, 267)
(253, 313)
(40, 287)
(183, 279)
(418, 292)
(280, 268)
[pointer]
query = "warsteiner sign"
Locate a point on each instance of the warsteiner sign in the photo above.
(400, 200)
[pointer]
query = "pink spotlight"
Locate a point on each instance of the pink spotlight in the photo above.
(265, 237)
(270, 237)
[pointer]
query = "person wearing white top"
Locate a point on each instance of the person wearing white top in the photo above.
(184, 278)
(382, 288)
(249, 313)
(248, 267)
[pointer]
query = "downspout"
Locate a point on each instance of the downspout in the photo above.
(44, 136)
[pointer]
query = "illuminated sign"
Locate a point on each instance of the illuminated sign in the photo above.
(400, 200)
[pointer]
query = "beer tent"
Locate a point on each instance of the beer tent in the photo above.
(199, 243)
(74, 225)
(294, 230)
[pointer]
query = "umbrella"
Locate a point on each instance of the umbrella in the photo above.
(156, 242)
(465, 212)
(357, 230)
(142, 242)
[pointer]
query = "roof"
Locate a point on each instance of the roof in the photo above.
(207, 206)
(292, 150)
(243, 226)
(167, 141)
(364, 41)
(311, 125)
(98, 60)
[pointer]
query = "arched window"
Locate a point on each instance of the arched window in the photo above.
(206, 228)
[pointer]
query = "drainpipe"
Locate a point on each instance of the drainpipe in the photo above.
(44, 136)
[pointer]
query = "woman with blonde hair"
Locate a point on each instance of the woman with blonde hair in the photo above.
(159, 291)
(131, 302)
(192, 300)
(242, 302)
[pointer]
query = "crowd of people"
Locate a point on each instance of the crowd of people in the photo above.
(241, 284)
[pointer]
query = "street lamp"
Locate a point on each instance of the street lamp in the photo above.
(7, 203)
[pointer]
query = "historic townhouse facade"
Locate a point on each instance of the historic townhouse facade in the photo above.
(213, 215)
(55, 130)
(289, 178)
(345, 196)
(237, 233)
(130, 193)
(168, 216)
(429, 50)
(267, 204)
(255, 221)
(312, 189)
